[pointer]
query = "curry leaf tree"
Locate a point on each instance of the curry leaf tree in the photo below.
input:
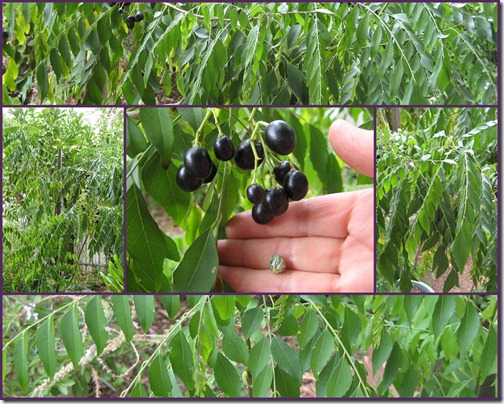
(62, 198)
(422, 346)
(437, 196)
(251, 53)
(179, 253)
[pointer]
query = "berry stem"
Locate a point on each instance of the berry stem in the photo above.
(222, 195)
(196, 141)
(219, 129)
(251, 117)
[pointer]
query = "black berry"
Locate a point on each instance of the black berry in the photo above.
(186, 182)
(244, 156)
(261, 215)
(255, 193)
(280, 137)
(276, 201)
(130, 24)
(198, 163)
(296, 185)
(120, 10)
(212, 174)
(224, 148)
(5, 34)
(139, 16)
(130, 19)
(281, 170)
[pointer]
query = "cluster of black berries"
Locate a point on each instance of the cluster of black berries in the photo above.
(199, 169)
(281, 139)
(130, 19)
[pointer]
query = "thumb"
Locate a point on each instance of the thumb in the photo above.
(354, 146)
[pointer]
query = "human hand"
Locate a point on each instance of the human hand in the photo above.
(327, 241)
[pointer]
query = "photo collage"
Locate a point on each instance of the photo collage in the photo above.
(227, 200)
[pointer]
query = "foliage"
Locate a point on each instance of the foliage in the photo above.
(156, 142)
(437, 196)
(239, 345)
(56, 218)
(251, 53)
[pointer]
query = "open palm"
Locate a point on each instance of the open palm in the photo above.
(327, 241)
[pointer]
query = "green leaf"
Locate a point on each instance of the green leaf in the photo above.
(171, 304)
(469, 327)
(42, 80)
(21, 360)
(135, 139)
(488, 361)
(409, 383)
(340, 380)
(71, 336)
(307, 328)
(46, 346)
(96, 322)
(122, 312)
(144, 241)
(138, 391)
(313, 65)
(322, 351)
(259, 356)
(227, 376)
(224, 305)
(411, 304)
(382, 351)
(251, 320)
(286, 358)
(391, 368)
(162, 186)
(352, 325)
(158, 128)
(159, 380)
(262, 382)
(181, 358)
(193, 116)
(92, 41)
(449, 344)
(197, 270)
(396, 79)
(234, 347)
(444, 309)
(287, 386)
(145, 309)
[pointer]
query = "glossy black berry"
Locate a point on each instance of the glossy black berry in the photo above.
(244, 156)
(296, 185)
(280, 137)
(186, 182)
(255, 193)
(130, 19)
(139, 16)
(224, 148)
(130, 25)
(5, 34)
(281, 170)
(198, 163)
(276, 201)
(120, 10)
(261, 215)
(212, 174)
